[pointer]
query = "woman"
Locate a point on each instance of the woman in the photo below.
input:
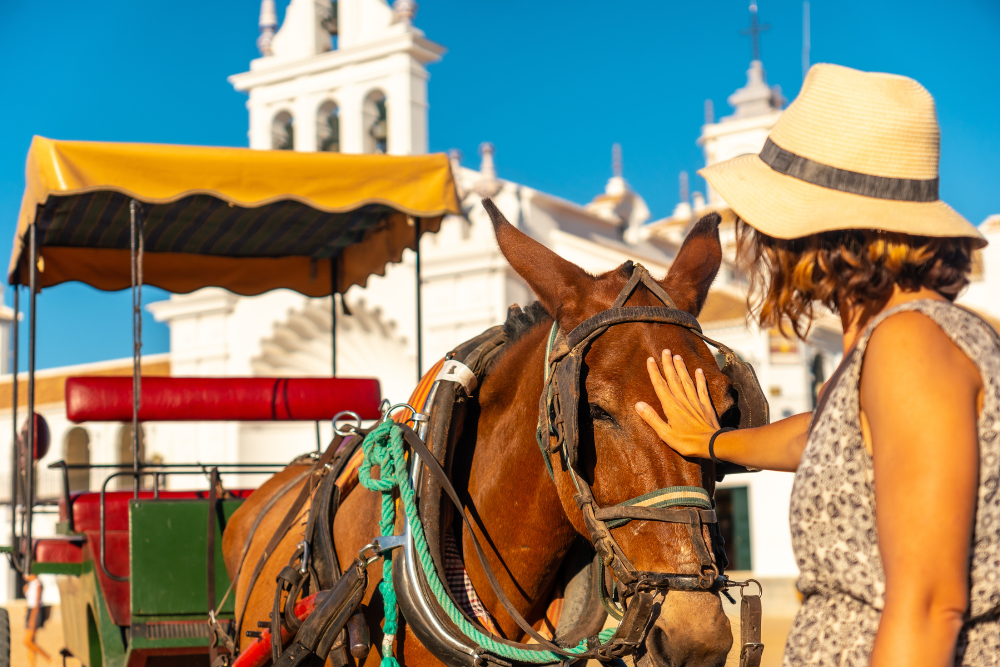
(840, 210)
(35, 618)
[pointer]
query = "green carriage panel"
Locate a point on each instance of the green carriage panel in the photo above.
(168, 551)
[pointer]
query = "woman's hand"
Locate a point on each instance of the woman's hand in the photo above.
(691, 419)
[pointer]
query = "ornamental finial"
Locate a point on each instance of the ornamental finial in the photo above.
(404, 11)
(268, 25)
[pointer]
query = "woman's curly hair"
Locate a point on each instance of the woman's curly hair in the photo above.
(851, 268)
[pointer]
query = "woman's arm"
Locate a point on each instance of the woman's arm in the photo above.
(919, 400)
(691, 422)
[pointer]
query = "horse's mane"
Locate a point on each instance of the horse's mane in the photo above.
(522, 320)
(518, 323)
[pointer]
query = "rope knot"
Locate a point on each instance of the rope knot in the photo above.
(383, 448)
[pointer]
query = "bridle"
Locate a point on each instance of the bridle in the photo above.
(559, 420)
(558, 433)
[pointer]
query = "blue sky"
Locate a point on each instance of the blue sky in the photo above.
(551, 84)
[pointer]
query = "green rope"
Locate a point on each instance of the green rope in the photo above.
(383, 447)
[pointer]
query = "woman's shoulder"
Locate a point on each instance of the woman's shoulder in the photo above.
(925, 339)
(934, 327)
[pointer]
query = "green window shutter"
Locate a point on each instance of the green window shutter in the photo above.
(741, 528)
(733, 508)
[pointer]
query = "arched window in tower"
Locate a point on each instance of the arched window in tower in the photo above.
(376, 123)
(328, 128)
(328, 20)
(283, 132)
(76, 451)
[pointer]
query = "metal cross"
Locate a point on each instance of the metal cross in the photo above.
(754, 31)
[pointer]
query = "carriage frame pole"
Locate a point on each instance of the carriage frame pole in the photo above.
(334, 266)
(14, 446)
(29, 445)
(136, 232)
(420, 327)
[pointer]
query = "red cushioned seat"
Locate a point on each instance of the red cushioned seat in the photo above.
(59, 550)
(103, 398)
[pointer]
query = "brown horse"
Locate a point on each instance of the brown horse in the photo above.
(526, 522)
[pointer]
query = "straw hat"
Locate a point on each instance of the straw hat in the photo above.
(855, 150)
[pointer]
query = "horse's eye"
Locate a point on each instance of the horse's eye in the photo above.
(597, 413)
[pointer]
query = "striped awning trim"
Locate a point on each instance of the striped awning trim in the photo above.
(205, 225)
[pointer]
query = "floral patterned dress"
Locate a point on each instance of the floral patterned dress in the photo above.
(832, 515)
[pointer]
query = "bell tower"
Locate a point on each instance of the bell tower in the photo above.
(339, 75)
(757, 107)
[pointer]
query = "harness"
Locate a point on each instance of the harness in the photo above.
(459, 641)
(558, 419)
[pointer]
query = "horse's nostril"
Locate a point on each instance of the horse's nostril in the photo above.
(658, 646)
(690, 630)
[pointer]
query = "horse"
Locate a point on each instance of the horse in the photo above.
(527, 519)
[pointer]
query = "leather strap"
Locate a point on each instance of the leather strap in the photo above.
(641, 275)
(291, 484)
(286, 523)
(435, 469)
(750, 618)
(665, 514)
(623, 315)
(329, 618)
(213, 481)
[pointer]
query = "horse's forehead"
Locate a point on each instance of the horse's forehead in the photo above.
(639, 340)
(617, 358)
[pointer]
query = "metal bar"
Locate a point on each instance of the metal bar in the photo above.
(66, 499)
(103, 522)
(162, 466)
(135, 227)
(213, 483)
(104, 551)
(420, 327)
(29, 445)
(14, 447)
(334, 267)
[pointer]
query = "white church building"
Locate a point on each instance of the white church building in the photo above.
(352, 76)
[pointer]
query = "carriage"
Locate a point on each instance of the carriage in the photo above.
(141, 569)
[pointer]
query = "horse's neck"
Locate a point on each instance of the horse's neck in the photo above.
(512, 496)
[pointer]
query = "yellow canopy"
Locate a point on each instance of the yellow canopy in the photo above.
(246, 220)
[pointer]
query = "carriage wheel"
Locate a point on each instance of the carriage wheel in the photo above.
(4, 638)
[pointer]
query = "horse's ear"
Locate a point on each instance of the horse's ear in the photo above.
(694, 268)
(560, 285)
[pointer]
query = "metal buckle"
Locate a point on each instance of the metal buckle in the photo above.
(350, 429)
(368, 560)
(743, 584)
(379, 546)
(415, 415)
(384, 543)
(481, 658)
(751, 647)
(304, 559)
